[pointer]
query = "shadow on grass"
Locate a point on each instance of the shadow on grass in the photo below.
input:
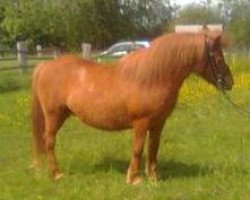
(107, 164)
(175, 169)
(113, 164)
(167, 170)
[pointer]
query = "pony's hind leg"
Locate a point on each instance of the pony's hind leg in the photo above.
(53, 122)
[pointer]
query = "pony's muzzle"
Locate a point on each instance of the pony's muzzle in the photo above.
(225, 83)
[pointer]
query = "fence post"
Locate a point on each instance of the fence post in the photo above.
(22, 55)
(56, 52)
(39, 50)
(86, 49)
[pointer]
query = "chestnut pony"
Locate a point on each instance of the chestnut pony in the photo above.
(139, 92)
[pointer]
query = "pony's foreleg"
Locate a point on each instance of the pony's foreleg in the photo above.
(139, 136)
(52, 124)
(153, 146)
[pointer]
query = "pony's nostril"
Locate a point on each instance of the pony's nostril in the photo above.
(221, 84)
(225, 83)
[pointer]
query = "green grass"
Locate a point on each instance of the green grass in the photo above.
(204, 153)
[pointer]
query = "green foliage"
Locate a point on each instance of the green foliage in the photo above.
(199, 14)
(233, 14)
(101, 22)
(239, 24)
(8, 82)
(148, 16)
(68, 23)
(15, 79)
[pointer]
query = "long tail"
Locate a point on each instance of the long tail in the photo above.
(38, 120)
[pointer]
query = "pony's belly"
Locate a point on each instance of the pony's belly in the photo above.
(101, 115)
(106, 121)
(100, 108)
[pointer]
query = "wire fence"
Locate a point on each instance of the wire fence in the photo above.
(21, 54)
(22, 60)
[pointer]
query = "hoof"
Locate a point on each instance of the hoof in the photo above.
(34, 165)
(58, 176)
(152, 174)
(134, 181)
(153, 178)
(33, 168)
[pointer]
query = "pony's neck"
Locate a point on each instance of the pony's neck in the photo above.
(170, 58)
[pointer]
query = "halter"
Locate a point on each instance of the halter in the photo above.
(218, 77)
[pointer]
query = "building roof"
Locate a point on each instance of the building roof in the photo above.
(198, 28)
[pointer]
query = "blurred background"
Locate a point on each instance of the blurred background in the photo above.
(205, 148)
(66, 24)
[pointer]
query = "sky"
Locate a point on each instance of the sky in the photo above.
(183, 2)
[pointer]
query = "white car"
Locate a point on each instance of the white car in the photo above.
(122, 48)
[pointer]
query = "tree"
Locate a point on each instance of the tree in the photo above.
(148, 17)
(199, 14)
(3, 33)
(239, 24)
(68, 23)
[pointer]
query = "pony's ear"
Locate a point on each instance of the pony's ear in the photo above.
(205, 30)
(216, 37)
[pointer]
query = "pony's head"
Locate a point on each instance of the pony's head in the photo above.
(214, 68)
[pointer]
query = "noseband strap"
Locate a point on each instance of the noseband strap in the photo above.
(212, 63)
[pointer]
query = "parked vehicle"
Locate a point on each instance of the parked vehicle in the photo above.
(122, 48)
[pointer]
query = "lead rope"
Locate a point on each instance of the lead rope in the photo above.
(237, 107)
(246, 113)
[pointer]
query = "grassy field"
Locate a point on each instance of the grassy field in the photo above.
(204, 154)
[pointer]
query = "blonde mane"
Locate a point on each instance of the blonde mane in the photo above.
(167, 53)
